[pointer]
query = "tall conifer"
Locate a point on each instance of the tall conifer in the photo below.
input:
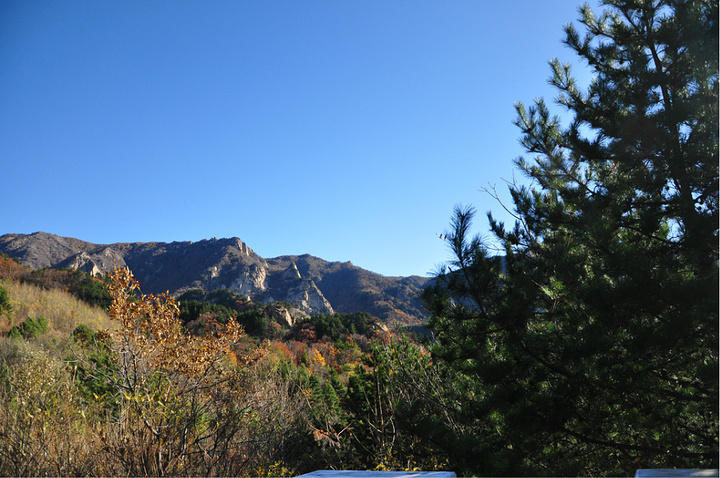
(591, 347)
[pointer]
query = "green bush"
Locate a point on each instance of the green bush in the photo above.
(30, 328)
(90, 290)
(94, 366)
(255, 322)
(192, 309)
(338, 326)
(5, 305)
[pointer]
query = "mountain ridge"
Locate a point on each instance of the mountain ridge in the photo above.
(310, 283)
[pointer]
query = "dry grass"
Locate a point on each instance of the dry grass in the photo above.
(63, 311)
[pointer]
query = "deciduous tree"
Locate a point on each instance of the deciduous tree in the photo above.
(179, 393)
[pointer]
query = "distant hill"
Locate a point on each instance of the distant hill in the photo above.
(311, 284)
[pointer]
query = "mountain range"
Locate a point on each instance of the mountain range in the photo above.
(310, 284)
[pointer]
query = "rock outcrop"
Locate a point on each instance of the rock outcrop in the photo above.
(250, 281)
(81, 262)
(307, 297)
(281, 315)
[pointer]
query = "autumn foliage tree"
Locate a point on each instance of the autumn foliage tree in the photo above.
(178, 392)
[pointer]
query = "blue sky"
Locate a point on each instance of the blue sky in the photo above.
(343, 129)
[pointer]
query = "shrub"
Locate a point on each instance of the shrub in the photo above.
(29, 328)
(45, 428)
(179, 410)
(6, 307)
(94, 367)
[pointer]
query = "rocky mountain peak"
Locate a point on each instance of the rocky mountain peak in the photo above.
(311, 284)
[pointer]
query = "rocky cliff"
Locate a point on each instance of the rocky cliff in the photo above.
(309, 283)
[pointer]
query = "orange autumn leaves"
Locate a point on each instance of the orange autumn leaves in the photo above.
(150, 324)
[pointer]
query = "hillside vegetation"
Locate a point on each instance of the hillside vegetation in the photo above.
(63, 311)
(152, 386)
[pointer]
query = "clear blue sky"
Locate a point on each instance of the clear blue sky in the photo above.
(343, 129)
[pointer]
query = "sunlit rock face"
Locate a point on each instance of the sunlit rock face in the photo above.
(81, 262)
(281, 315)
(288, 285)
(250, 281)
(308, 298)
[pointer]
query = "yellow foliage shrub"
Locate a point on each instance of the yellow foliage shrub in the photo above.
(149, 325)
(179, 392)
(317, 358)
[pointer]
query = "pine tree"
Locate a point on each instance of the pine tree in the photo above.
(591, 346)
(6, 306)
